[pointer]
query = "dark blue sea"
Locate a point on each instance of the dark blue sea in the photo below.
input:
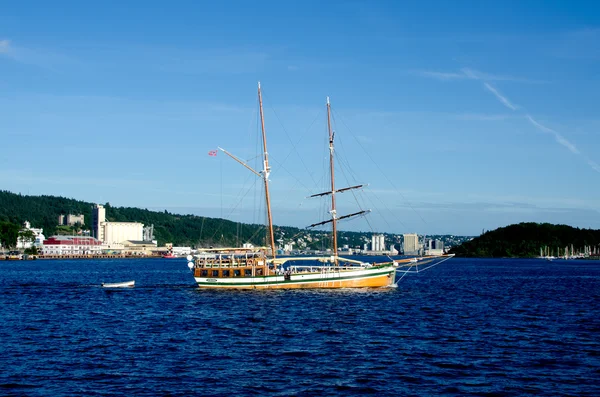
(463, 328)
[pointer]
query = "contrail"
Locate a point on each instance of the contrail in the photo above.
(501, 98)
(557, 136)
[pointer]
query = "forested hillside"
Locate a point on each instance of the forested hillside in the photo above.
(183, 230)
(526, 239)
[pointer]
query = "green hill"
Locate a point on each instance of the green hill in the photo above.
(526, 239)
(182, 230)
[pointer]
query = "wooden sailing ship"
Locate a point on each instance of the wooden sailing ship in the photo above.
(253, 268)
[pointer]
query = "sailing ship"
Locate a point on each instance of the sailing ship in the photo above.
(261, 268)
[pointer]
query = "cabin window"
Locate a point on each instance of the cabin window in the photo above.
(226, 273)
(215, 273)
(259, 272)
(248, 272)
(204, 273)
(237, 273)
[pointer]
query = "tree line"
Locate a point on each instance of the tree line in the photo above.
(524, 240)
(182, 230)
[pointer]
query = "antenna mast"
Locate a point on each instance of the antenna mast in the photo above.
(265, 173)
(333, 210)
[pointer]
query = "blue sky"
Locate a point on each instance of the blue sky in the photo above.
(461, 116)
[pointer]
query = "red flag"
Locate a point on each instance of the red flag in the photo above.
(212, 153)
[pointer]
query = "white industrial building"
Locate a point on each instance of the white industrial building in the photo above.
(378, 243)
(411, 244)
(114, 232)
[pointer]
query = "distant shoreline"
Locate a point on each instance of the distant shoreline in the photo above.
(46, 257)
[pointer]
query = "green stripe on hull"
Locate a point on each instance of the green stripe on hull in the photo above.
(283, 282)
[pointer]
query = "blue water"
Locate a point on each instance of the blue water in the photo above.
(466, 327)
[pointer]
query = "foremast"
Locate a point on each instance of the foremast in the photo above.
(265, 173)
(331, 168)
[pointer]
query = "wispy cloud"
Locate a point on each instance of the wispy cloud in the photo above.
(472, 74)
(483, 117)
(4, 46)
(557, 136)
(563, 141)
(44, 58)
(500, 97)
(444, 76)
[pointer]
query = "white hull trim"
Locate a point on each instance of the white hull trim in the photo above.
(296, 278)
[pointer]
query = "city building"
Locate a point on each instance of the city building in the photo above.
(70, 220)
(71, 245)
(38, 235)
(411, 244)
(139, 248)
(434, 247)
(288, 247)
(378, 243)
(98, 217)
(114, 232)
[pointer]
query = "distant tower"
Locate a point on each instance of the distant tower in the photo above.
(148, 233)
(411, 244)
(98, 218)
(378, 242)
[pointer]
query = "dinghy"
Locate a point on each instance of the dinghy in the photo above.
(124, 284)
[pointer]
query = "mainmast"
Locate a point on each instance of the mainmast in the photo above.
(333, 210)
(265, 173)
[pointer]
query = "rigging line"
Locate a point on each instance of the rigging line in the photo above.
(294, 145)
(234, 208)
(403, 275)
(435, 264)
(201, 228)
(343, 156)
(258, 230)
(221, 171)
(256, 209)
(289, 173)
(360, 205)
(386, 207)
(384, 175)
(345, 165)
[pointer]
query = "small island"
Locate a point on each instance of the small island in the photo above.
(531, 240)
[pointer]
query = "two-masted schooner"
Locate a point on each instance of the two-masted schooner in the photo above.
(255, 268)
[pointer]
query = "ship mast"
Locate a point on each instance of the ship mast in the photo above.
(265, 173)
(333, 210)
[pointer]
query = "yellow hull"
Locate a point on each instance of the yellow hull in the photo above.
(366, 281)
(373, 282)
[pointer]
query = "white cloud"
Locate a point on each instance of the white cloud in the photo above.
(500, 97)
(444, 76)
(483, 117)
(593, 164)
(4, 46)
(472, 74)
(559, 138)
(479, 76)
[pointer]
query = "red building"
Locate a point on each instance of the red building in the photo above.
(71, 245)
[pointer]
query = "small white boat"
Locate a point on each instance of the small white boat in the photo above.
(124, 284)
